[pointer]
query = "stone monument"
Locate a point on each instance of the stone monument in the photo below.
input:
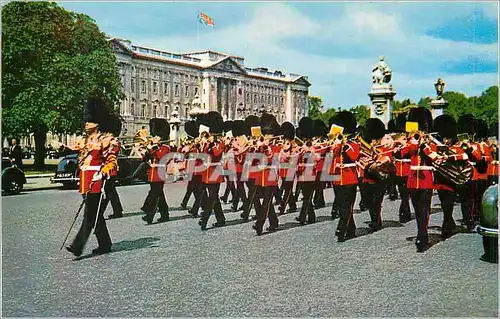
(439, 103)
(382, 93)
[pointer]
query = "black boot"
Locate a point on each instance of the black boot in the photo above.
(101, 250)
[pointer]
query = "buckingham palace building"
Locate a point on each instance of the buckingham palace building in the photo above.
(158, 83)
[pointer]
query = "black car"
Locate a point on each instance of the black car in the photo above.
(68, 173)
(13, 178)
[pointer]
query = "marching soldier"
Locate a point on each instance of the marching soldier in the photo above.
(97, 158)
(239, 158)
(481, 158)
(421, 179)
(344, 168)
(493, 146)
(320, 148)
(156, 171)
(287, 169)
(213, 176)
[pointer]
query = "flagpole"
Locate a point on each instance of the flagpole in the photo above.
(197, 35)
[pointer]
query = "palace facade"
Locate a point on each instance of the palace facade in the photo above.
(158, 83)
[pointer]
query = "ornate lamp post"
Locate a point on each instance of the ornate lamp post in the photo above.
(439, 103)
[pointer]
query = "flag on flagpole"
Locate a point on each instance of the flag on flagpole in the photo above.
(205, 19)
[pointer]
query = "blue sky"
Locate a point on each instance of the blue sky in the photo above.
(334, 43)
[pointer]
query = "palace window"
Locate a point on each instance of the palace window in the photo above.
(176, 93)
(281, 101)
(240, 91)
(248, 98)
(255, 98)
(155, 109)
(195, 90)
(132, 85)
(186, 91)
(155, 87)
(143, 110)
(165, 88)
(143, 87)
(132, 108)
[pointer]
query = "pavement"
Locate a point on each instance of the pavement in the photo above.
(175, 269)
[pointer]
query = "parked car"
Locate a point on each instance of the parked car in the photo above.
(13, 178)
(488, 227)
(68, 173)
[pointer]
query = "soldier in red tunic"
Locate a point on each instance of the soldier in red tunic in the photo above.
(320, 148)
(345, 154)
(493, 146)
(421, 179)
(156, 158)
(239, 151)
(481, 157)
(287, 169)
(374, 186)
(97, 159)
(213, 176)
(194, 179)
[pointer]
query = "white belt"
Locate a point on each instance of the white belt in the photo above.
(494, 162)
(308, 164)
(215, 164)
(90, 168)
(346, 165)
(268, 167)
(473, 163)
(285, 165)
(406, 160)
(423, 168)
(157, 165)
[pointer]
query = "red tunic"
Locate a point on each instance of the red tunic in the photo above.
(306, 167)
(344, 163)
(214, 172)
(421, 171)
(268, 176)
(98, 151)
(493, 165)
(157, 169)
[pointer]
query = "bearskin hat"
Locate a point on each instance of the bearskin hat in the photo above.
(239, 128)
(481, 129)
(113, 125)
(493, 130)
(252, 120)
(191, 128)
(288, 130)
(423, 117)
(345, 119)
(159, 127)
(96, 111)
(306, 126)
(446, 126)
(374, 129)
(227, 126)
(215, 122)
(202, 119)
(268, 124)
(465, 124)
(319, 128)
(400, 123)
(391, 126)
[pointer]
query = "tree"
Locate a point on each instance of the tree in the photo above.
(53, 61)
(361, 113)
(458, 104)
(315, 106)
(488, 105)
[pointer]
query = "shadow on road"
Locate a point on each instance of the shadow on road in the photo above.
(125, 245)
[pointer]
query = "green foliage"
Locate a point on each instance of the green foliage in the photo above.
(53, 61)
(315, 105)
(361, 113)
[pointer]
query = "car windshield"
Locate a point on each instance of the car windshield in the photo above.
(67, 165)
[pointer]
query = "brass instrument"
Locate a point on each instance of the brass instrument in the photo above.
(374, 163)
(459, 172)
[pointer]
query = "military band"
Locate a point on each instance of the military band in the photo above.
(416, 154)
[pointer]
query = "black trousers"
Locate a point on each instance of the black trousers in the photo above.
(89, 217)
(421, 201)
(335, 204)
(346, 195)
(230, 188)
(277, 195)
(240, 193)
(447, 199)
(466, 200)
(266, 210)
(479, 187)
(200, 193)
(211, 202)
(156, 199)
(404, 207)
(307, 204)
(112, 196)
(319, 197)
(362, 193)
(192, 186)
(288, 198)
(374, 198)
(253, 196)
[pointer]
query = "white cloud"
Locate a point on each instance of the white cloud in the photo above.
(345, 80)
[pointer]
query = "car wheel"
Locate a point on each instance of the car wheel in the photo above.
(490, 245)
(15, 187)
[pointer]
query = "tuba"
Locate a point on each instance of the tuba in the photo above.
(457, 172)
(375, 165)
